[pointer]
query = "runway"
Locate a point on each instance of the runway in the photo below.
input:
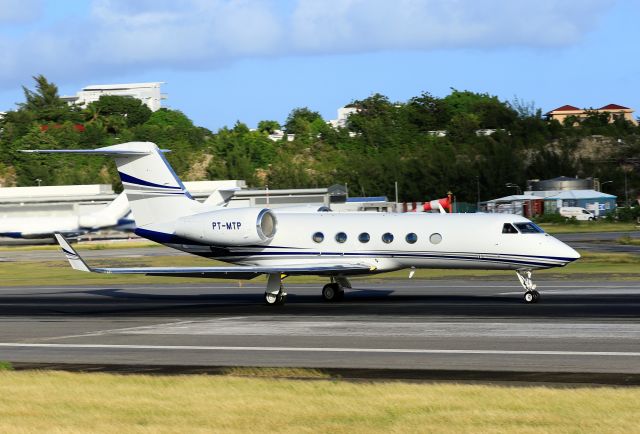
(604, 242)
(578, 327)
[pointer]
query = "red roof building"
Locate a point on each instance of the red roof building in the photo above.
(614, 110)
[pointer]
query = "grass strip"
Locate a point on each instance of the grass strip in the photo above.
(85, 245)
(588, 226)
(628, 241)
(34, 402)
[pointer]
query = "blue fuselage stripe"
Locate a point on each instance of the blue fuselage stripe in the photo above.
(133, 180)
(235, 254)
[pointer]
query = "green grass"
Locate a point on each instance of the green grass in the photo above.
(579, 227)
(35, 402)
(103, 245)
(5, 366)
(592, 265)
(628, 241)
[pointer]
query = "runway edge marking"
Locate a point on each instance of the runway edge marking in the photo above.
(321, 349)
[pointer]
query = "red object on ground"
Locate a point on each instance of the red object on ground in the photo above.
(445, 202)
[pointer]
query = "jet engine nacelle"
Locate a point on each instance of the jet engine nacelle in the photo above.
(229, 227)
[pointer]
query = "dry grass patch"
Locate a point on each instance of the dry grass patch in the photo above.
(33, 402)
(295, 373)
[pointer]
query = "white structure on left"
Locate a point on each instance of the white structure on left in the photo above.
(148, 93)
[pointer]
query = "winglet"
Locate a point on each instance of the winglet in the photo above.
(77, 263)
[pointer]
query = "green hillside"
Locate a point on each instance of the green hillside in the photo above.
(385, 141)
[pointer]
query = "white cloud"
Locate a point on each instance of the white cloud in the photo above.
(370, 25)
(123, 35)
(198, 31)
(20, 11)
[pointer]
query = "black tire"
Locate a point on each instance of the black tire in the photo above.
(529, 297)
(274, 299)
(331, 292)
(282, 299)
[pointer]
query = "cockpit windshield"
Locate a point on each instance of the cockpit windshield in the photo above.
(508, 228)
(529, 228)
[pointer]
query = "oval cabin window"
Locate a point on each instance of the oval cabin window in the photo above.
(341, 237)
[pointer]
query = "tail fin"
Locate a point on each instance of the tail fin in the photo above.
(154, 191)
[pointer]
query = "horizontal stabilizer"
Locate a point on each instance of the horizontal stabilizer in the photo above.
(99, 151)
(77, 263)
(123, 149)
(233, 272)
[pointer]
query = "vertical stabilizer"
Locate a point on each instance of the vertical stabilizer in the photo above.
(154, 191)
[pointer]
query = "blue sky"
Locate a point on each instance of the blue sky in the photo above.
(248, 60)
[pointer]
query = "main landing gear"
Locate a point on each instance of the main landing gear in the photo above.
(334, 291)
(275, 294)
(530, 295)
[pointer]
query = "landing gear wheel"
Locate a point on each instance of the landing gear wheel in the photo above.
(275, 299)
(332, 292)
(531, 296)
(528, 297)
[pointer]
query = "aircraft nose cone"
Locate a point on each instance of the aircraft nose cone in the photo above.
(571, 253)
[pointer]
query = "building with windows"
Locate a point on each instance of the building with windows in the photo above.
(148, 93)
(614, 110)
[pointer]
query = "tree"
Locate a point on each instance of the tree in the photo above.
(132, 110)
(428, 113)
(45, 103)
(268, 127)
(491, 112)
(300, 120)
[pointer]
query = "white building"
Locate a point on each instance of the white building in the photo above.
(148, 93)
(343, 115)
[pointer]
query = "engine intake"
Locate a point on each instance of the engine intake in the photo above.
(229, 227)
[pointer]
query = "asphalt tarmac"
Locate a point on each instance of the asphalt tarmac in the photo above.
(602, 242)
(589, 328)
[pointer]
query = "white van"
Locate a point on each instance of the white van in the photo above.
(577, 212)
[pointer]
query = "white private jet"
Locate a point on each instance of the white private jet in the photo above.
(34, 227)
(337, 245)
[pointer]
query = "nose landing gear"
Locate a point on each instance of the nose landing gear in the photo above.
(530, 295)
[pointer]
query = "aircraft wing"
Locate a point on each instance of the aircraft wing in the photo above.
(232, 272)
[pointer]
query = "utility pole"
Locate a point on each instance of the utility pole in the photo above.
(396, 207)
(626, 191)
(478, 191)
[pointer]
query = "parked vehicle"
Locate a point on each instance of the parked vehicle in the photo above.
(577, 212)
